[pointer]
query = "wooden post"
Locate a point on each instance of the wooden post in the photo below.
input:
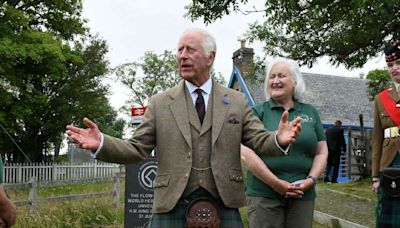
(54, 172)
(32, 195)
(95, 168)
(19, 180)
(116, 190)
(349, 153)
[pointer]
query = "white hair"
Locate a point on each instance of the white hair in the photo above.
(299, 86)
(207, 40)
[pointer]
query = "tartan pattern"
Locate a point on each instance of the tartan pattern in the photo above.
(388, 208)
(200, 105)
(230, 217)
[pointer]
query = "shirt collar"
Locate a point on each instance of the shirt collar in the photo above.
(274, 105)
(206, 87)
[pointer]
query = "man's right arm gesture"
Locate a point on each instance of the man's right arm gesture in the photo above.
(88, 138)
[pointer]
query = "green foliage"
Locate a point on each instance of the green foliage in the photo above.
(61, 158)
(212, 10)
(378, 80)
(150, 75)
(109, 123)
(349, 32)
(217, 77)
(257, 70)
(50, 75)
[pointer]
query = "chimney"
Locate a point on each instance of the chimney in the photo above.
(243, 58)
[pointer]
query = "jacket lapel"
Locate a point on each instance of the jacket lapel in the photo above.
(179, 111)
(220, 107)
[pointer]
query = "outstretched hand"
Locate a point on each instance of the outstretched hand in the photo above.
(88, 138)
(288, 131)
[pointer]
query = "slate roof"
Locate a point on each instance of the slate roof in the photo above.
(335, 97)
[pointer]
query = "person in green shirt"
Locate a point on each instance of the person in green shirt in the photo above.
(281, 190)
(8, 211)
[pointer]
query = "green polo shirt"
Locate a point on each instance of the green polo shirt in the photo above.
(297, 164)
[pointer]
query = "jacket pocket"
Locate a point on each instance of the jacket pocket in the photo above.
(161, 181)
(235, 175)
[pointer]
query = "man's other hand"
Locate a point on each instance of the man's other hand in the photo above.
(88, 138)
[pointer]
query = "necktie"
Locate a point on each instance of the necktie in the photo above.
(200, 105)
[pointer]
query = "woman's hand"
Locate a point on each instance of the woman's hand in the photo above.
(375, 186)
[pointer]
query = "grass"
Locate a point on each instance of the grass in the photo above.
(362, 188)
(22, 194)
(354, 201)
(100, 212)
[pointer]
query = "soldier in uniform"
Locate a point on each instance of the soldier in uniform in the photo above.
(386, 139)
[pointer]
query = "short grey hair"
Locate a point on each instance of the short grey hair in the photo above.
(207, 40)
(299, 86)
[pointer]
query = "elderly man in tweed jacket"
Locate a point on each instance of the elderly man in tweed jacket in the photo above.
(197, 157)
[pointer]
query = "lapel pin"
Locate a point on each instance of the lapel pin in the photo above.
(225, 100)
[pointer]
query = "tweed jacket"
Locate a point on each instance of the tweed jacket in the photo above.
(166, 126)
(383, 150)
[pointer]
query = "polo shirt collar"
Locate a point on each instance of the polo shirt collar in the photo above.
(274, 105)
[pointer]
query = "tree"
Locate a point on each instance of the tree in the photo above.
(150, 75)
(50, 74)
(349, 32)
(378, 80)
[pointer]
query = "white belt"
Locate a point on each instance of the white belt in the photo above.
(392, 132)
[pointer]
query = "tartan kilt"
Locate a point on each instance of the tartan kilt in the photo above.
(388, 208)
(230, 217)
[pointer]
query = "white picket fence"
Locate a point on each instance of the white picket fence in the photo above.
(43, 172)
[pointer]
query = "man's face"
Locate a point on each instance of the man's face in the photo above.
(194, 65)
(394, 70)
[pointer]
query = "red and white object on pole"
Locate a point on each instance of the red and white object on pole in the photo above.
(137, 115)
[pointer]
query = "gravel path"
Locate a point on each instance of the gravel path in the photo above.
(347, 207)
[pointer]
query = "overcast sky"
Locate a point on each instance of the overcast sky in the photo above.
(132, 27)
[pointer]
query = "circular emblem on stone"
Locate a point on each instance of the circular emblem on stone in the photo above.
(146, 175)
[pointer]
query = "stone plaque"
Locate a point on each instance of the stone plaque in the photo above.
(139, 193)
